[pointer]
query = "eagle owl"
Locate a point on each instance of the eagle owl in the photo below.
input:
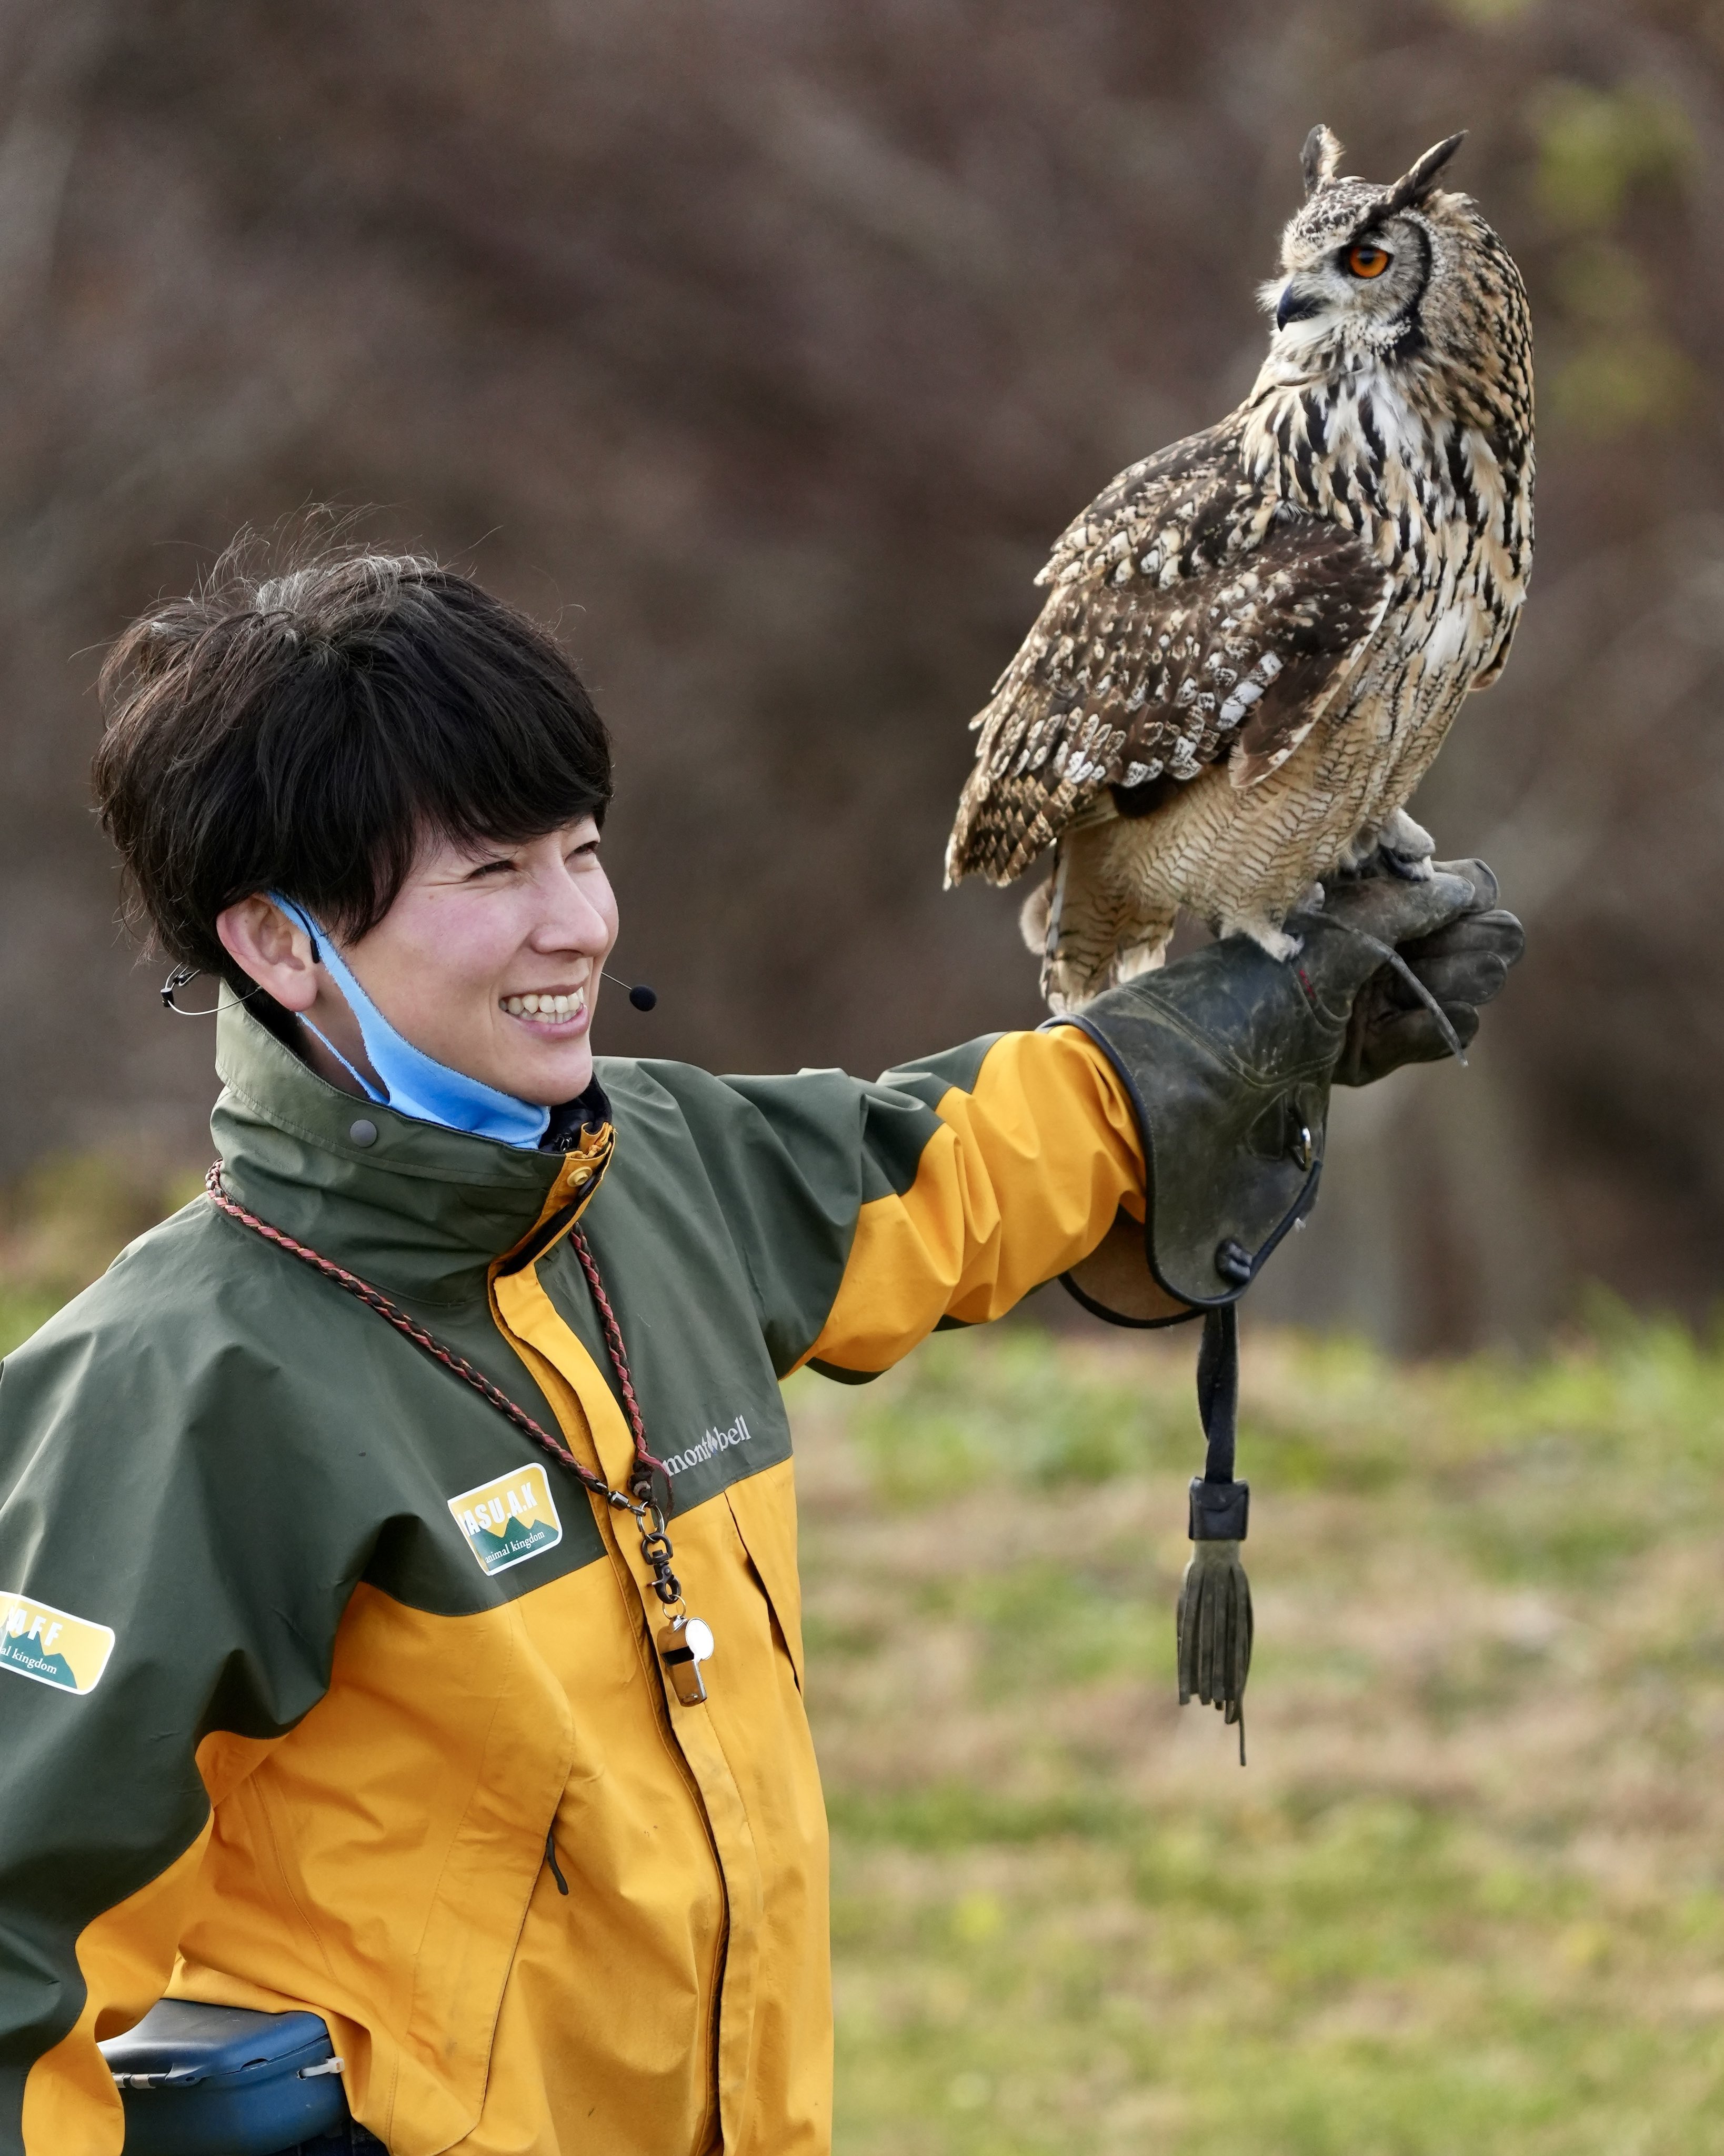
(1255, 640)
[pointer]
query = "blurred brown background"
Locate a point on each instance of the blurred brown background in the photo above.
(764, 347)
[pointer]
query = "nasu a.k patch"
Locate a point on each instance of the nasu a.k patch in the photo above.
(509, 1520)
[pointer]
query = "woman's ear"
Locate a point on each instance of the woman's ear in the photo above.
(275, 951)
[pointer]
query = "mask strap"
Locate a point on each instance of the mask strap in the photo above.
(359, 1078)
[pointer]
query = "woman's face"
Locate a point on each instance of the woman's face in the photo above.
(488, 961)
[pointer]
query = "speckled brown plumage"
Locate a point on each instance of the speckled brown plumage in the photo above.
(1255, 640)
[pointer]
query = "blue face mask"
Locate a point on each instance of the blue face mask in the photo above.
(415, 1084)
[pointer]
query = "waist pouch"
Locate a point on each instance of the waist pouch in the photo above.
(221, 2080)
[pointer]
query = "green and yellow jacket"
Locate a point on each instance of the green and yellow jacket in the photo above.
(308, 1656)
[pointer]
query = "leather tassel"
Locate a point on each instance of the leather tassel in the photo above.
(1214, 1632)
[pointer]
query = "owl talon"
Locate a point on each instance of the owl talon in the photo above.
(1361, 856)
(1406, 848)
(1276, 940)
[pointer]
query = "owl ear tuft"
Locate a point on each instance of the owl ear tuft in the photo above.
(1415, 185)
(1321, 158)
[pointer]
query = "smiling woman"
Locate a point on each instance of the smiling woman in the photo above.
(410, 1714)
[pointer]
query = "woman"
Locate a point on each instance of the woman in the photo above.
(366, 1678)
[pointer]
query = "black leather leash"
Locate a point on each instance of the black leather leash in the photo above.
(1215, 1494)
(1214, 1621)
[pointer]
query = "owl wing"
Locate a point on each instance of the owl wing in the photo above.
(1190, 618)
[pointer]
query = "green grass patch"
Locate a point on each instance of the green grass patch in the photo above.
(1466, 1896)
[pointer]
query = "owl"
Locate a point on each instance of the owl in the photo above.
(1255, 641)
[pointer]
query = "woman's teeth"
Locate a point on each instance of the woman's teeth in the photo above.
(557, 1008)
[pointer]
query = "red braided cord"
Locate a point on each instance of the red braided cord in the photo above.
(375, 1299)
(619, 1353)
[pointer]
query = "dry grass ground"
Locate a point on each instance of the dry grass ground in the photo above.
(1466, 1896)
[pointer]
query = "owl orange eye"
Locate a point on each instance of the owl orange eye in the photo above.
(1368, 261)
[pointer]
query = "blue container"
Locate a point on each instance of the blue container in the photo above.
(221, 2080)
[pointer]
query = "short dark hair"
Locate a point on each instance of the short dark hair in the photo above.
(307, 732)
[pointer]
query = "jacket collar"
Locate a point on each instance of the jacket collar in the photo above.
(420, 1210)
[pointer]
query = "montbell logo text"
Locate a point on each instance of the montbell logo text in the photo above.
(714, 1441)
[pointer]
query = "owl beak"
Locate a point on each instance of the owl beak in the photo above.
(1294, 306)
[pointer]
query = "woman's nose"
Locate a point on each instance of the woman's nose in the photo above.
(575, 918)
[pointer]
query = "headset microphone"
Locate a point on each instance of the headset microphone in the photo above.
(642, 997)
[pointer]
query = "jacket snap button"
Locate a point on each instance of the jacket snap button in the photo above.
(580, 1175)
(363, 1132)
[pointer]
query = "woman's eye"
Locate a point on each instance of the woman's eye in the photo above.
(1368, 261)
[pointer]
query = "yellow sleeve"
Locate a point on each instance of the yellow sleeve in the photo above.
(1026, 1174)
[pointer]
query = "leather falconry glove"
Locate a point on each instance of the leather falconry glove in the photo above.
(1229, 1056)
(1462, 965)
